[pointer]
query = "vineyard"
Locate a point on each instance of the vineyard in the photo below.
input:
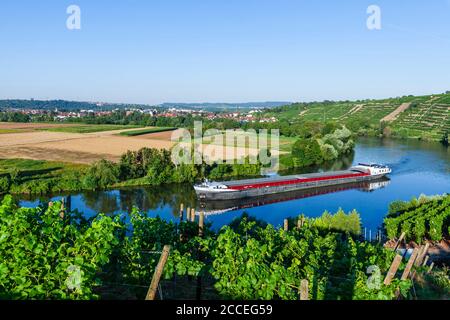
(50, 253)
(420, 220)
(432, 116)
(425, 117)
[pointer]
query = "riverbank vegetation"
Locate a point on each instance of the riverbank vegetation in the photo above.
(23, 176)
(328, 145)
(135, 168)
(50, 253)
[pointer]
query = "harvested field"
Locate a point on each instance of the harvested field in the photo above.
(38, 153)
(71, 147)
(35, 137)
(85, 148)
(106, 145)
(33, 126)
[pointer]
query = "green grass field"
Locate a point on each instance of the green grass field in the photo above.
(36, 169)
(40, 177)
(90, 128)
(5, 131)
(141, 132)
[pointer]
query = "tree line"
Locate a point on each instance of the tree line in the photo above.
(146, 166)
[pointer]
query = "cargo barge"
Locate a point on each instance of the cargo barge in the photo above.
(223, 206)
(240, 189)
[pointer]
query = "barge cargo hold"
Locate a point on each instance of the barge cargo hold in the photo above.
(240, 189)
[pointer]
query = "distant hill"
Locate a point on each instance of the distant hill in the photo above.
(80, 105)
(224, 106)
(63, 105)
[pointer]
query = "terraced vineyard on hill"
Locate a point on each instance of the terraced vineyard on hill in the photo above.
(425, 117)
(432, 116)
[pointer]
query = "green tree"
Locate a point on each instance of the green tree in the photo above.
(444, 139)
(4, 184)
(307, 152)
(101, 174)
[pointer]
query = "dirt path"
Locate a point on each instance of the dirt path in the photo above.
(394, 114)
(355, 109)
(301, 114)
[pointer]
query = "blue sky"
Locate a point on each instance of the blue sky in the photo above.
(157, 51)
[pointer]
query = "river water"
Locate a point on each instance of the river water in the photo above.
(418, 168)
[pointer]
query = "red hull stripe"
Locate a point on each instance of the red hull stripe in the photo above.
(296, 181)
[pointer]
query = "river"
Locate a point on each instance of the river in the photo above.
(418, 168)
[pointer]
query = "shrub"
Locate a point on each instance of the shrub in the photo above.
(4, 184)
(101, 174)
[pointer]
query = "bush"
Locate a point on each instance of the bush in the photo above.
(43, 256)
(4, 184)
(340, 221)
(101, 174)
(307, 152)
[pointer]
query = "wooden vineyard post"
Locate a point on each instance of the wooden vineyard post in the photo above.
(157, 275)
(417, 263)
(431, 268)
(181, 220)
(286, 224)
(61, 213)
(193, 215)
(422, 254)
(201, 223)
(188, 214)
(181, 212)
(424, 264)
(300, 222)
(402, 236)
(69, 203)
(393, 269)
(410, 263)
(304, 290)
